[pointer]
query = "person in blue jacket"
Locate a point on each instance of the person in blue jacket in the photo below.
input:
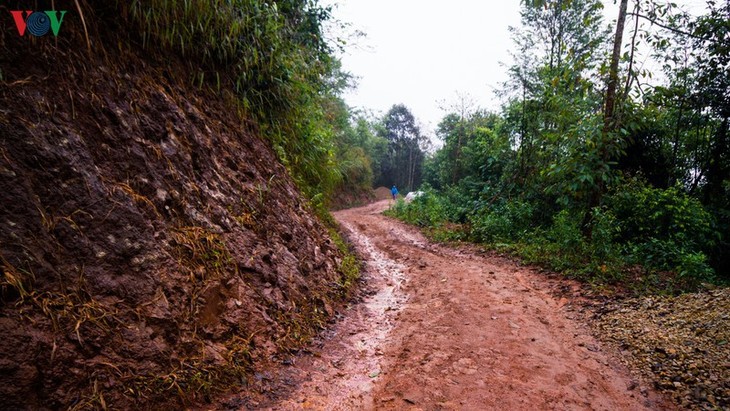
(394, 191)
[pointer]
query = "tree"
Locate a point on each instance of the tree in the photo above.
(404, 158)
(609, 120)
(589, 164)
(610, 123)
(453, 131)
(712, 43)
(556, 97)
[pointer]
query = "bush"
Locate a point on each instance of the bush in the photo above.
(426, 210)
(670, 214)
(505, 222)
(664, 229)
(562, 247)
(460, 200)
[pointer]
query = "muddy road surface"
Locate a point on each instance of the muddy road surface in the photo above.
(450, 328)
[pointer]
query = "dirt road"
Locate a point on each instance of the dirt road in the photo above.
(453, 329)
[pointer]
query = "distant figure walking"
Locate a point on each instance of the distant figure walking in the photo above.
(394, 191)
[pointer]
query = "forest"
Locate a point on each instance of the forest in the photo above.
(595, 166)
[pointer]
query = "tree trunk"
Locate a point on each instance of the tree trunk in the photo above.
(408, 171)
(718, 171)
(609, 123)
(523, 133)
(609, 120)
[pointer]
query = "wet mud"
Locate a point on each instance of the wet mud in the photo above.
(454, 328)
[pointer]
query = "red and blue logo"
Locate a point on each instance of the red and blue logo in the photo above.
(38, 23)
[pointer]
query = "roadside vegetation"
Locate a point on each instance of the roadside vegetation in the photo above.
(589, 169)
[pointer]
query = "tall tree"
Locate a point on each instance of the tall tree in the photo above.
(556, 95)
(453, 130)
(711, 34)
(609, 120)
(404, 159)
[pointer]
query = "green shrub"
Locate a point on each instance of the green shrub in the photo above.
(646, 213)
(565, 231)
(664, 229)
(562, 247)
(603, 244)
(427, 210)
(504, 222)
(691, 267)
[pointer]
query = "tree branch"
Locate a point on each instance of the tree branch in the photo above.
(670, 28)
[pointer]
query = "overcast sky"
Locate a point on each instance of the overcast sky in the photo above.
(422, 52)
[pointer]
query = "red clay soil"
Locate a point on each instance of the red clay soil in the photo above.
(448, 328)
(382, 193)
(349, 197)
(153, 250)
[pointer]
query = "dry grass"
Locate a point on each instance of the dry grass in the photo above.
(301, 323)
(247, 220)
(74, 309)
(49, 222)
(195, 378)
(69, 311)
(14, 282)
(94, 401)
(205, 254)
(135, 196)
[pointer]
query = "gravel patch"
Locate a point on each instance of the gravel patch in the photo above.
(681, 344)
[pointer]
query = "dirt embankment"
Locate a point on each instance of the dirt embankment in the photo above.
(153, 249)
(348, 199)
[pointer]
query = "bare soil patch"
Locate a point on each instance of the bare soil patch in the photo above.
(452, 328)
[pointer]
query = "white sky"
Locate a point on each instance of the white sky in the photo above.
(422, 52)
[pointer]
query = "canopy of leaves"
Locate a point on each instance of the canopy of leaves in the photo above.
(547, 179)
(402, 163)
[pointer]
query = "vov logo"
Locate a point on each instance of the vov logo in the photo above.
(38, 23)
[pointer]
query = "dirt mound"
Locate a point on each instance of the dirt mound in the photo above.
(153, 247)
(382, 193)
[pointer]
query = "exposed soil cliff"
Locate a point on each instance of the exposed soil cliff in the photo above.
(153, 248)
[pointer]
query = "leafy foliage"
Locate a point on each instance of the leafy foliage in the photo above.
(504, 222)
(402, 163)
(552, 181)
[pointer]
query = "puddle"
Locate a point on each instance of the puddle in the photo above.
(380, 309)
(343, 377)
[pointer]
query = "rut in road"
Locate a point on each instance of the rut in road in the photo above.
(454, 328)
